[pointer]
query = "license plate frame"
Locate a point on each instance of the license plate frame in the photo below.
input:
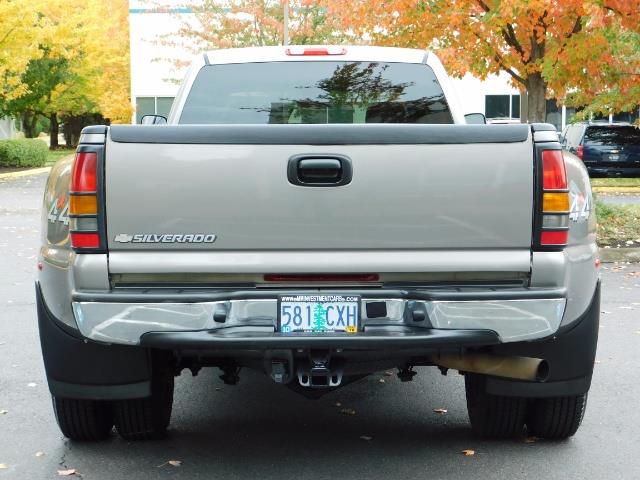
(309, 325)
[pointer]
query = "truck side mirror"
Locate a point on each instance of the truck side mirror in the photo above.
(475, 118)
(153, 120)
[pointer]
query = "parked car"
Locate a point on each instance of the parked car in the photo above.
(605, 148)
(318, 214)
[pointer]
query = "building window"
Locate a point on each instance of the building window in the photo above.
(502, 106)
(554, 114)
(152, 106)
(631, 116)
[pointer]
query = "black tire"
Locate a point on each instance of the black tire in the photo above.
(556, 418)
(84, 420)
(493, 416)
(146, 418)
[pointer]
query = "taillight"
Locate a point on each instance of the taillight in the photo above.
(84, 205)
(553, 224)
(580, 152)
(315, 51)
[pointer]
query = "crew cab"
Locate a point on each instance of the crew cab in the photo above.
(318, 214)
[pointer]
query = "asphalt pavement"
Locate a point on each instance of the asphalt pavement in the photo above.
(620, 199)
(258, 429)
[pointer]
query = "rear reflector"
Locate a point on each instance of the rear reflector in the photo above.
(315, 51)
(550, 237)
(580, 152)
(553, 171)
(555, 202)
(321, 277)
(85, 240)
(83, 176)
(83, 205)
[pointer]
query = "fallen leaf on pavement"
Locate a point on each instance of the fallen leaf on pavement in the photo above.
(440, 410)
(468, 453)
(40, 454)
(366, 437)
(173, 463)
(66, 473)
(531, 440)
(348, 411)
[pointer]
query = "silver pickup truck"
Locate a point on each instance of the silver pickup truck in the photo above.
(318, 214)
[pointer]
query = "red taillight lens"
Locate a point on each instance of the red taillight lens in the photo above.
(315, 51)
(580, 152)
(85, 240)
(554, 203)
(84, 174)
(560, 237)
(554, 176)
(84, 204)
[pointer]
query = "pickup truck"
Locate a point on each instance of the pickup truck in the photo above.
(318, 214)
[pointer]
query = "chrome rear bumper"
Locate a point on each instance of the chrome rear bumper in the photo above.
(513, 314)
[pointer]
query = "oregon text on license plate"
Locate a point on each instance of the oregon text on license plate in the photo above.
(319, 313)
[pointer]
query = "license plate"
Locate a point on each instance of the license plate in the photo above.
(614, 157)
(318, 313)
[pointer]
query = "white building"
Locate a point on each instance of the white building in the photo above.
(153, 84)
(7, 128)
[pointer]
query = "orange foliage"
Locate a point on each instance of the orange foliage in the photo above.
(552, 48)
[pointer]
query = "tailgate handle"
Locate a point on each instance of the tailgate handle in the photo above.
(319, 170)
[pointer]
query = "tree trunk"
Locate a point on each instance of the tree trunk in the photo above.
(536, 98)
(53, 132)
(29, 122)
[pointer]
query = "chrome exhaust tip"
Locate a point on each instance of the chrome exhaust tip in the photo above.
(516, 368)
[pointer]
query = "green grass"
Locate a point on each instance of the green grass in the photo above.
(618, 224)
(54, 155)
(615, 182)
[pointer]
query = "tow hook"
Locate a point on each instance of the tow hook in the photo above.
(320, 371)
(230, 375)
(406, 374)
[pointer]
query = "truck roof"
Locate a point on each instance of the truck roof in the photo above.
(351, 53)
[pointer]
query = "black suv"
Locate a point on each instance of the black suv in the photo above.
(605, 148)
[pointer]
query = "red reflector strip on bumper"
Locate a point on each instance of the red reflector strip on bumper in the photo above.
(85, 240)
(554, 237)
(321, 277)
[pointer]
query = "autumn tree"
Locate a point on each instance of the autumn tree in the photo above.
(550, 48)
(21, 30)
(79, 64)
(251, 23)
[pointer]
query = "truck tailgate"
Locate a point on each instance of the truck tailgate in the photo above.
(445, 188)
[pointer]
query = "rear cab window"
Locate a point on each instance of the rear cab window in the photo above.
(315, 93)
